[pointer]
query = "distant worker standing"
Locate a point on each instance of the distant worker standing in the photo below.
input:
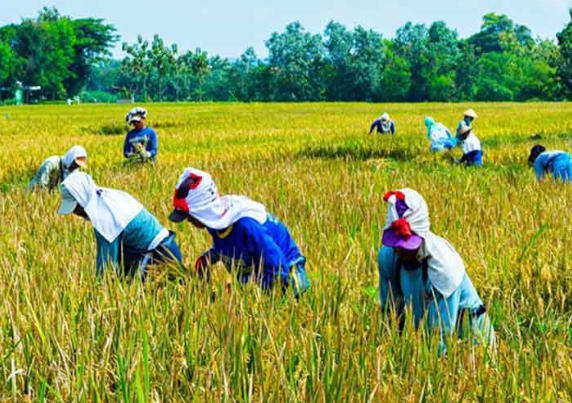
(439, 136)
(141, 143)
(55, 169)
(468, 118)
(472, 151)
(558, 163)
(128, 237)
(383, 124)
(252, 243)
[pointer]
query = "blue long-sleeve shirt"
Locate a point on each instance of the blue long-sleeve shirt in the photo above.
(133, 240)
(410, 287)
(558, 163)
(377, 124)
(146, 136)
(264, 253)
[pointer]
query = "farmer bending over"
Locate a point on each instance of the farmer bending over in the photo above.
(245, 236)
(468, 118)
(383, 124)
(558, 163)
(440, 137)
(128, 236)
(55, 169)
(472, 151)
(140, 143)
(420, 269)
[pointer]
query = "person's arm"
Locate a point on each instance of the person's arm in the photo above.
(393, 128)
(153, 145)
(539, 166)
(107, 253)
(390, 296)
(45, 174)
(203, 263)
(373, 126)
(127, 147)
(265, 250)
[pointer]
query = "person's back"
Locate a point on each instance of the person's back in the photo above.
(249, 243)
(439, 136)
(559, 163)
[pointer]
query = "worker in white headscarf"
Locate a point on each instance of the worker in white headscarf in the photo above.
(55, 169)
(129, 238)
(383, 124)
(420, 269)
(251, 242)
(141, 143)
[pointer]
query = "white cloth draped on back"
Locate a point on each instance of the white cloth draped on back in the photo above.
(445, 267)
(109, 210)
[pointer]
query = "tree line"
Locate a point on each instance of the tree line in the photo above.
(501, 62)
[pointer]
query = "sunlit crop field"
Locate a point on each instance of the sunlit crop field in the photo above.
(66, 337)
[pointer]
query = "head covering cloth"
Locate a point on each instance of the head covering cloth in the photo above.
(204, 203)
(109, 210)
(445, 268)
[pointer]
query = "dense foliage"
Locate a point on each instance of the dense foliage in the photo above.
(501, 62)
(53, 52)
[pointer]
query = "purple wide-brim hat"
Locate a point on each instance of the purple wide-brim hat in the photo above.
(391, 240)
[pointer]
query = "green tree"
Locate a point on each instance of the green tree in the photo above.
(498, 32)
(163, 62)
(137, 67)
(396, 81)
(565, 66)
(296, 59)
(93, 39)
(6, 63)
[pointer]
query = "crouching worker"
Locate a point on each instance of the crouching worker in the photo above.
(384, 125)
(128, 237)
(439, 136)
(558, 163)
(245, 236)
(55, 169)
(472, 151)
(421, 270)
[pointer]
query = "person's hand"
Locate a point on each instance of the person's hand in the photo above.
(202, 267)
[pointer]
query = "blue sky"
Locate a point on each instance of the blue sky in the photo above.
(227, 27)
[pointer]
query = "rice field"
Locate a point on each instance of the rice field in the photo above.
(65, 336)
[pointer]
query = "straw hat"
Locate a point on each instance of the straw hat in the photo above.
(470, 113)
